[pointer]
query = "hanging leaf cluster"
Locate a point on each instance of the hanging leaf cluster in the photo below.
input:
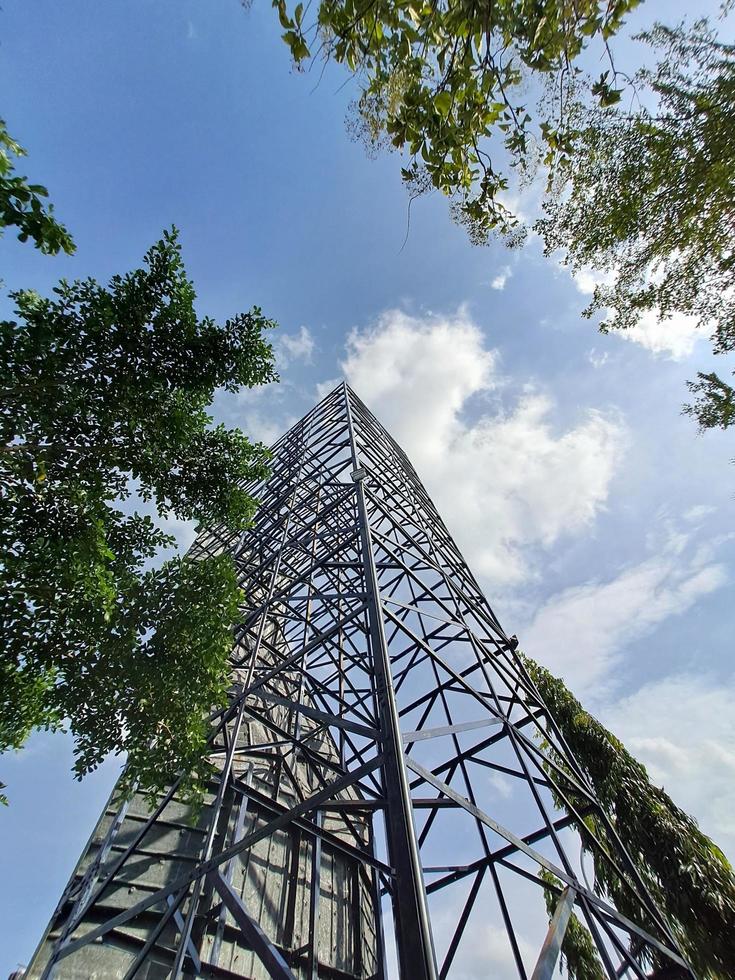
(446, 83)
(646, 200)
(22, 204)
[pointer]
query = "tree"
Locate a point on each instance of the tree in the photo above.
(443, 80)
(101, 387)
(21, 203)
(646, 197)
(688, 875)
(474, 92)
(715, 406)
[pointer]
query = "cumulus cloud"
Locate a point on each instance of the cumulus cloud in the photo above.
(673, 337)
(265, 427)
(683, 729)
(505, 481)
(501, 278)
(183, 531)
(587, 280)
(295, 347)
(261, 412)
(580, 634)
(523, 199)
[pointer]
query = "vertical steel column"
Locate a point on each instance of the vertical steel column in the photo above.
(415, 944)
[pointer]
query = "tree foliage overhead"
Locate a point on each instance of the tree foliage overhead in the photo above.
(101, 387)
(647, 197)
(445, 81)
(22, 205)
(686, 873)
(639, 188)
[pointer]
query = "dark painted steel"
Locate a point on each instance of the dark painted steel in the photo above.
(369, 673)
(273, 960)
(413, 929)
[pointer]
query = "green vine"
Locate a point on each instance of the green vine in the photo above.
(687, 874)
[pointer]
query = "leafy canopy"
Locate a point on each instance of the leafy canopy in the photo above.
(21, 203)
(446, 82)
(647, 196)
(101, 387)
(642, 192)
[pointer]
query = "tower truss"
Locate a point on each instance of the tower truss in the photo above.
(391, 795)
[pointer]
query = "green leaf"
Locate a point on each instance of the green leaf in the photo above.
(283, 17)
(21, 205)
(443, 102)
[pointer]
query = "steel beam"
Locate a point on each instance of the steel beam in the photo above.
(368, 671)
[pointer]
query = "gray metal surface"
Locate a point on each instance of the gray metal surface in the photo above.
(358, 817)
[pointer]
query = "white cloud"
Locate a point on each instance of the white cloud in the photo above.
(502, 278)
(683, 729)
(524, 201)
(672, 337)
(484, 950)
(505, 482)
(259, 411)
(183, 531)
(295, 347)
(586, 280)
(266, 427)
(418, 375)
(580, 633)
(501, 785)
(698, 513)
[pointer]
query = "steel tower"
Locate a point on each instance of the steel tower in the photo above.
(390, 799)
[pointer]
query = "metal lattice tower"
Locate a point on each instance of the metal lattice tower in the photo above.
(389, 786)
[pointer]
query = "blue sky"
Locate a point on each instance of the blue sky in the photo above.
(596, 518)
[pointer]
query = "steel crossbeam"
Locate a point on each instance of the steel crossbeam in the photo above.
(368, 673)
